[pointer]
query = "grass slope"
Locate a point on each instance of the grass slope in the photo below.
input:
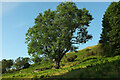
(84, 66)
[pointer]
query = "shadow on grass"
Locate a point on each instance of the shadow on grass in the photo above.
(102, 71)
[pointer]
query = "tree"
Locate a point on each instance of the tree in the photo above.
(6, 65)
(26, 61)
(56, 32)
(21, 62)
(18, 63)
(110, 37)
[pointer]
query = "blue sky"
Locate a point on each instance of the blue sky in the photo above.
(17, 17)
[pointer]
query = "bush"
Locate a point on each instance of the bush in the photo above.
(26, 65)
(70, 59)
(42, 76)
(75, 56)
(89, 54)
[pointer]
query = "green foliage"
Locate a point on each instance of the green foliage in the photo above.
(110, 37)
(71, 58)
(6, 65)
(52, 34)
(36, 59)
(21, 62)
(26, 65)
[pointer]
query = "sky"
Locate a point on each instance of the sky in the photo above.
(17, 17)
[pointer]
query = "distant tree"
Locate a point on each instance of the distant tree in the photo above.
(6, 65)
(9, 63)
(21, 62)
(53, 32)
(26, 61)
(18, 63)
(110, 37)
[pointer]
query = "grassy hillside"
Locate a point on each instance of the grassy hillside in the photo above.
(88, 64)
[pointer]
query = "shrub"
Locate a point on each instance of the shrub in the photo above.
(42, 76)
(70, 59)
(75, 56)
(89, 54)
(26, 65)
(63, 64)
(92, 53)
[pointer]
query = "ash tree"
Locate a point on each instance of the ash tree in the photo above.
(110, 37)
(56, 32)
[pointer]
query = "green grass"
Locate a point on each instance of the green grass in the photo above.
(93, 66)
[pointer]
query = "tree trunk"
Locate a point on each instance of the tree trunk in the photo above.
(57, 60)
(56, 64)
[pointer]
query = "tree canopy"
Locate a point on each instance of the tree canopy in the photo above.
(56, 32)
(6, 65)
(110, 37)
(21, 62)
(36, 59)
